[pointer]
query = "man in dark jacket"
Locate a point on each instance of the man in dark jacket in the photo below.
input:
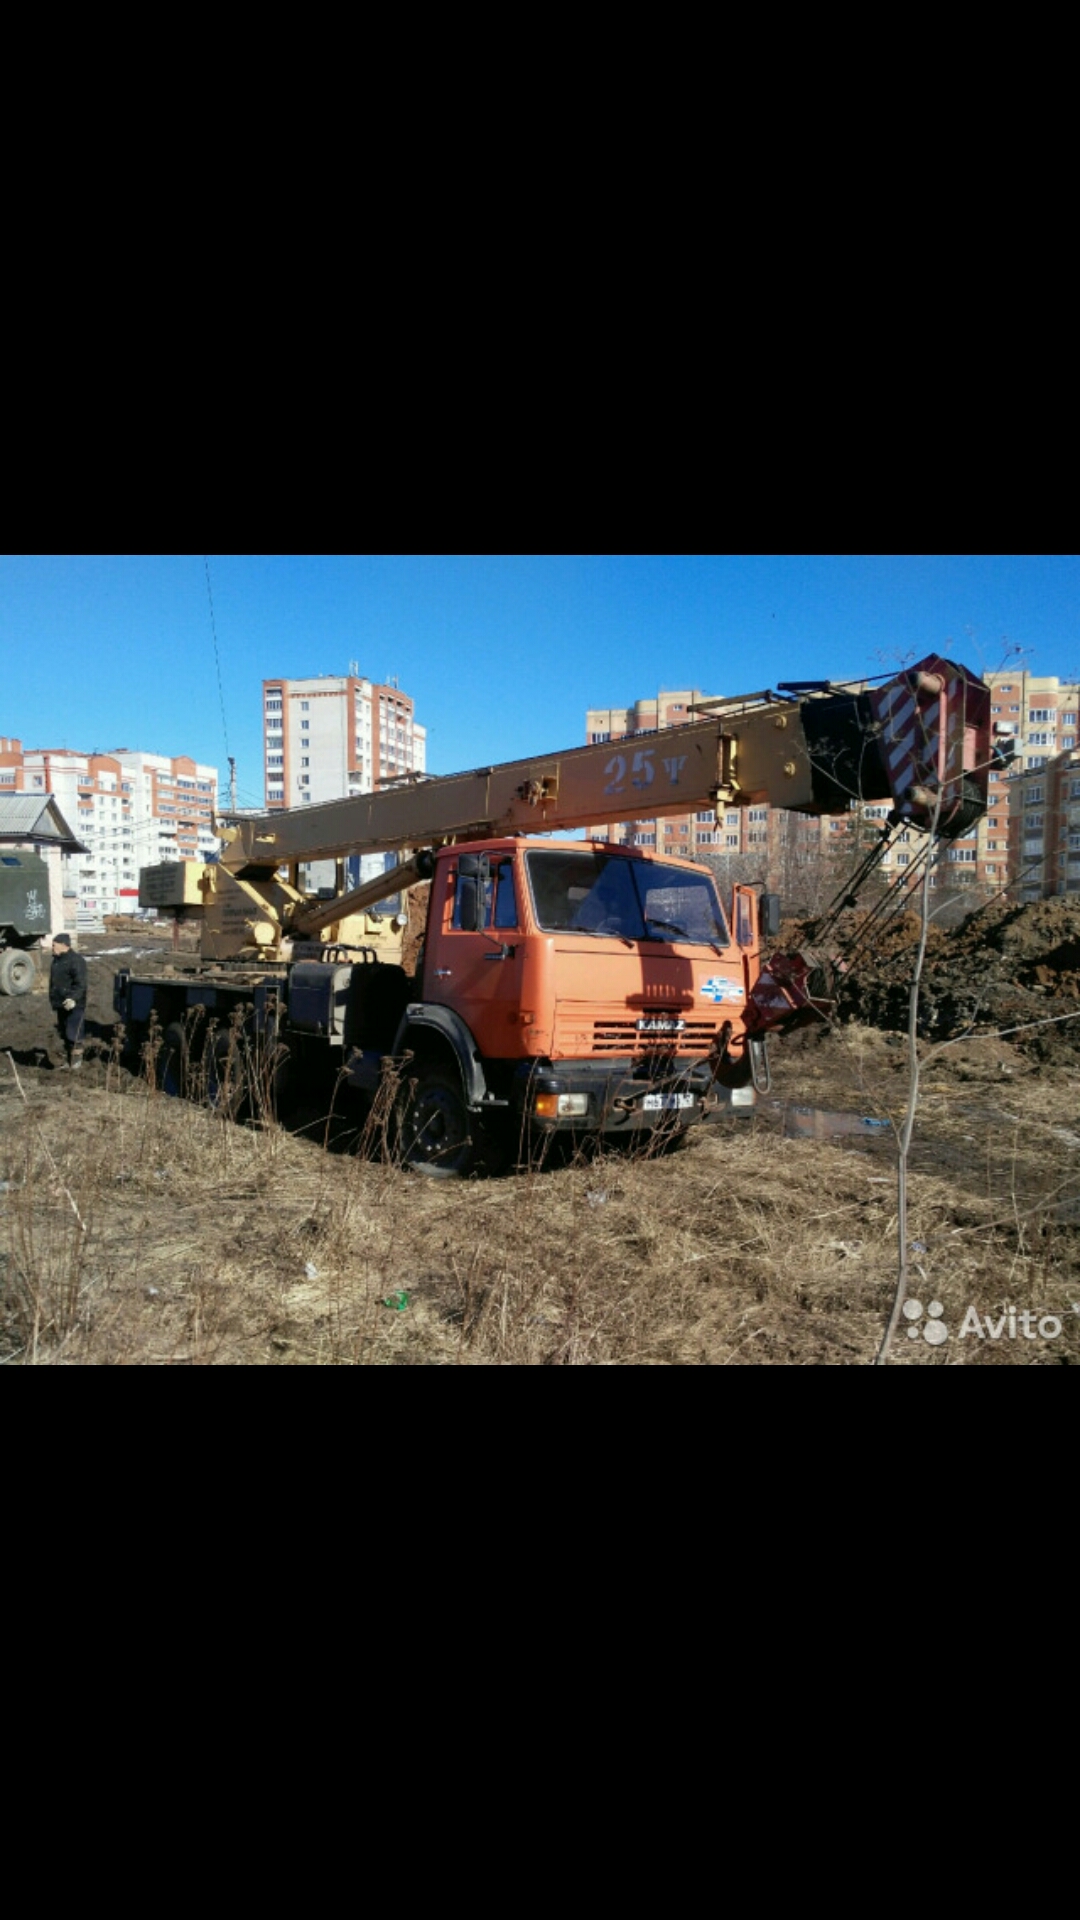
(67, 997)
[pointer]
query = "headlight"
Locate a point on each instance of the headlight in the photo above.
(555, 1106)
(744, 1096)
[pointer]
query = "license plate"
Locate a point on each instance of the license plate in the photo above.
(666, 1102)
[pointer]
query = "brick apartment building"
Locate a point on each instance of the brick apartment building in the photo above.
(1040, 712)
(1044, 828)
(779, 840)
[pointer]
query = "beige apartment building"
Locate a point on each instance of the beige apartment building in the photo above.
(336, 734)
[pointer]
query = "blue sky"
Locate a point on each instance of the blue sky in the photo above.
(502, 653)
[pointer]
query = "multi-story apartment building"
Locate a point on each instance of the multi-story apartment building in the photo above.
(333, 735)
(800, 854)
(130, 810)
(1044, 828)
(679, 833)
(1044, 715)
(784, 844)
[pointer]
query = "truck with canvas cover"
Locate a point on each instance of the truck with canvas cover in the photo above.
(24, 917)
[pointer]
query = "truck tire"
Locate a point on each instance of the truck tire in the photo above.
(18, 971)
(437, 1134)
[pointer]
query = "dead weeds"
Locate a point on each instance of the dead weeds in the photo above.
(140, 1230)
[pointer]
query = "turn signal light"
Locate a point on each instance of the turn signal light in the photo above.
(556, 1106)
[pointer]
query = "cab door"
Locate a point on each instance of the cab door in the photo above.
(478, 971)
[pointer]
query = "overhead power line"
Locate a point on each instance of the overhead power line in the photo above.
(217, 657)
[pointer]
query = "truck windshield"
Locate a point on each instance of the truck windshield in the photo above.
(594, 892)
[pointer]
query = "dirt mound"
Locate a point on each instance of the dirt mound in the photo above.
(1004, 966)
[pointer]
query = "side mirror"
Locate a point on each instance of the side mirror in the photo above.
(770, 915)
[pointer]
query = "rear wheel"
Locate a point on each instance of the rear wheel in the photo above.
(17, 971)
(437, 1134)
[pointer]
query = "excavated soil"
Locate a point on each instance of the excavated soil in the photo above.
(1003, 968)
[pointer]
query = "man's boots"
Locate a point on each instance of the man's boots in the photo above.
(76, 1058)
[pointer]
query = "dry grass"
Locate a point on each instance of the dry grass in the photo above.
(140, 1230)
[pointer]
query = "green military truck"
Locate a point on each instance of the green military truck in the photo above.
(24, 918)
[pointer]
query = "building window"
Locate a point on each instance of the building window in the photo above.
(304, 760)
(304, 780)
(1040, 716)
(1067, 719)
(305, 706)
(758, 813)
(598, 739)
(304, 725)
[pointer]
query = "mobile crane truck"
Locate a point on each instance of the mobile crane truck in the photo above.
(563, 985)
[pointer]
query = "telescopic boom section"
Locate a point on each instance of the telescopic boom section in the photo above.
(925, 732)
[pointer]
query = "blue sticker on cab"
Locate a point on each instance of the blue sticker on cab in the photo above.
(717, 988)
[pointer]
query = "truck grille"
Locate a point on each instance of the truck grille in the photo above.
(623, 1037)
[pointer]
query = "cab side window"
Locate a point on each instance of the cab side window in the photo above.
(500, 899)
(506, 913)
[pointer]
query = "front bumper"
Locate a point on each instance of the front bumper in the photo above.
(622, 1096)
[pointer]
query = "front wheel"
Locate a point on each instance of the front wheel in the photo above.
(437, 1134)
(17, 971)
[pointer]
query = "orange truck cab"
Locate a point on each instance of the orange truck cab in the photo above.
(582, 986)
